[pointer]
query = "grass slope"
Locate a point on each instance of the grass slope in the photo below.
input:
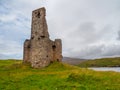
(16, 76)
(104, 62)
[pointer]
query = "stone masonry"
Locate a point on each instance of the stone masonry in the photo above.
(39, 50)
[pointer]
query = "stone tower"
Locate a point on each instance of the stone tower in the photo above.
(39, 50)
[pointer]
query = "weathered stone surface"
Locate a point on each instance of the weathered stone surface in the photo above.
(40, 51)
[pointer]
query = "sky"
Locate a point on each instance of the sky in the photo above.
(88, 28)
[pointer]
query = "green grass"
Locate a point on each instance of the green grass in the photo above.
(16, 76)
(104, 62)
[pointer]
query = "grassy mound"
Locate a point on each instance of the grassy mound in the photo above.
(16, 76)
(104, 62)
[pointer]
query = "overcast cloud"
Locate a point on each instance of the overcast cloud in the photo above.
(88, 28)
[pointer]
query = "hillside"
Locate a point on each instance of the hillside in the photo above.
(16, 76)
(104, 62)
(72, 61)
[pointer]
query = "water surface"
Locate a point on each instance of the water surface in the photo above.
(116, 69)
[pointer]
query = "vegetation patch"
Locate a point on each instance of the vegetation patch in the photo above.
(104, 62)
(58, 76)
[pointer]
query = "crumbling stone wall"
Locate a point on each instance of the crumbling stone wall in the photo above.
(40, 51)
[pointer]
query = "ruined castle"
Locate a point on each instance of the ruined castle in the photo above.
(39, 50)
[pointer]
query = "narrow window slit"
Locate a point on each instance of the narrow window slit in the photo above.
(38, 15)
(38, 38)
(32, 37)
(57, 59)
(28, 46)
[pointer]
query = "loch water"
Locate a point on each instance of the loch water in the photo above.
(116, 69)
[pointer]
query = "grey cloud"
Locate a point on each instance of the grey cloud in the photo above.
(87, 27)
(10, 49)
(2, 56)
(97, 51)
(87, 33)
(83, 23)
(118, 38)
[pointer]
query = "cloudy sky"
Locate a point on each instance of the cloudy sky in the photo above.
(88, 28)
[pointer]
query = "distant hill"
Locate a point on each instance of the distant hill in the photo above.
(103, 62)
(72, 61)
